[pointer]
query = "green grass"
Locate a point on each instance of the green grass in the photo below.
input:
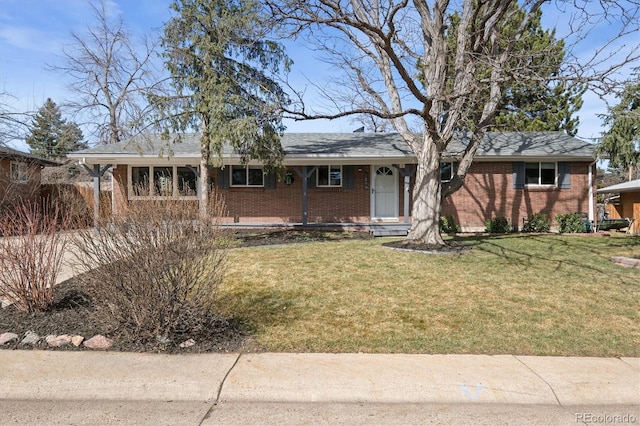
(516, 294)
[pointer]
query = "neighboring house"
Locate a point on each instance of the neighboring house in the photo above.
(626, 204)
(20, 175)
(360, 178)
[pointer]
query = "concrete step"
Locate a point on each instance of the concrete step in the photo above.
(389, 230)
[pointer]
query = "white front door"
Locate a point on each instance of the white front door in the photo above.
(384, 193)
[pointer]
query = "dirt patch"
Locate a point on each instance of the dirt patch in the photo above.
(72, 312)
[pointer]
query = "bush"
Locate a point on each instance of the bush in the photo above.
(31, 254)
(159, 267)
(498, 225)
(570, 223)
(538, 222)
(448, 225)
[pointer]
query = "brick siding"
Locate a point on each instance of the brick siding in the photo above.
(488, 192)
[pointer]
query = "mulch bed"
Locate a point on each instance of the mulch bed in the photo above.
(71, 312)
(450, 247)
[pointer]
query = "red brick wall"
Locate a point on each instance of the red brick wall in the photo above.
(11, 192)
(488, 192)
(284, 203)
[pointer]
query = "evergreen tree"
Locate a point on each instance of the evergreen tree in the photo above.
(223, 69)
(621, 143)
(52, 136)
(538, 103)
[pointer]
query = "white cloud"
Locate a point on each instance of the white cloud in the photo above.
(27, 38)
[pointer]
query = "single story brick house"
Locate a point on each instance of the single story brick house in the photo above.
(20, 175)
(359, 178)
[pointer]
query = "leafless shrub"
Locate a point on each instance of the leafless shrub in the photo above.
(155, 269)
(31, 253)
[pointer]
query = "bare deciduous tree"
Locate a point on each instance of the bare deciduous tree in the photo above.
(111, 75)
(433, 79)
(13, 125)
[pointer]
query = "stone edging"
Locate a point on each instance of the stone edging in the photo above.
(56, 341)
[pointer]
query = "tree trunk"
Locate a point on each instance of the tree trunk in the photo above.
(204, 181)
(427, 197)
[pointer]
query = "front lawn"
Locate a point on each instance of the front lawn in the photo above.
(516, 294)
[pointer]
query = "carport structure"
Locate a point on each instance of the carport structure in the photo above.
(627, 205)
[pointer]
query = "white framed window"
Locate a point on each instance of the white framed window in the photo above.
(329, 176)
(540, 174)
(246, 176)
(162, 182)
(19, 172)
(446, 171)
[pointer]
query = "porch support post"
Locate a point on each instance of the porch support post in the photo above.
(592, 177)
(305, 198)
(96, 173)
(304, 175)
(406, 172)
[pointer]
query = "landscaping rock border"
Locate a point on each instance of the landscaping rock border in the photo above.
(56, 340)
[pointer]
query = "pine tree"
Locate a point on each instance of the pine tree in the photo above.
(223, 70)
(621, 143)
(537, 103)
(52, 136)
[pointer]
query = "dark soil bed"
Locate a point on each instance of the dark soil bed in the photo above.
(449, 247)
(72, 311)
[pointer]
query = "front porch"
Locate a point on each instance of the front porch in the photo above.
(377, 229)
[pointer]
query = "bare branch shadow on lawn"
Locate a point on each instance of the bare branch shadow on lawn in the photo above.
(259, 307)
(554, 244)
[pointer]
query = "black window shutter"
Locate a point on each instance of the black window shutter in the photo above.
(348, 176)
(270, 180)
(518, 174)
(564, 175)
(223, 178)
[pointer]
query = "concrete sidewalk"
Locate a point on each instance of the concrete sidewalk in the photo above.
(211, 385)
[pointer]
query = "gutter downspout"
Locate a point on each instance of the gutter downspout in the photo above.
(591, 194)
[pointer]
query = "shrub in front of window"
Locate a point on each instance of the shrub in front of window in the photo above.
(448, 224)
(539, 222)
(570, 223)
(498, 225)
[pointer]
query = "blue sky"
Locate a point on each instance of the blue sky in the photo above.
(33, 33)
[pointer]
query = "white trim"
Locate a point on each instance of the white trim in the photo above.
(22, 172)
(396, 208)
(452, 170)
(309, 160)
(175, 194)
(329, 185)
(246, 170)
(539, 184)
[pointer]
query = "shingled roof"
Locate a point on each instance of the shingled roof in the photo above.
(15, 155)
(306, 147)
